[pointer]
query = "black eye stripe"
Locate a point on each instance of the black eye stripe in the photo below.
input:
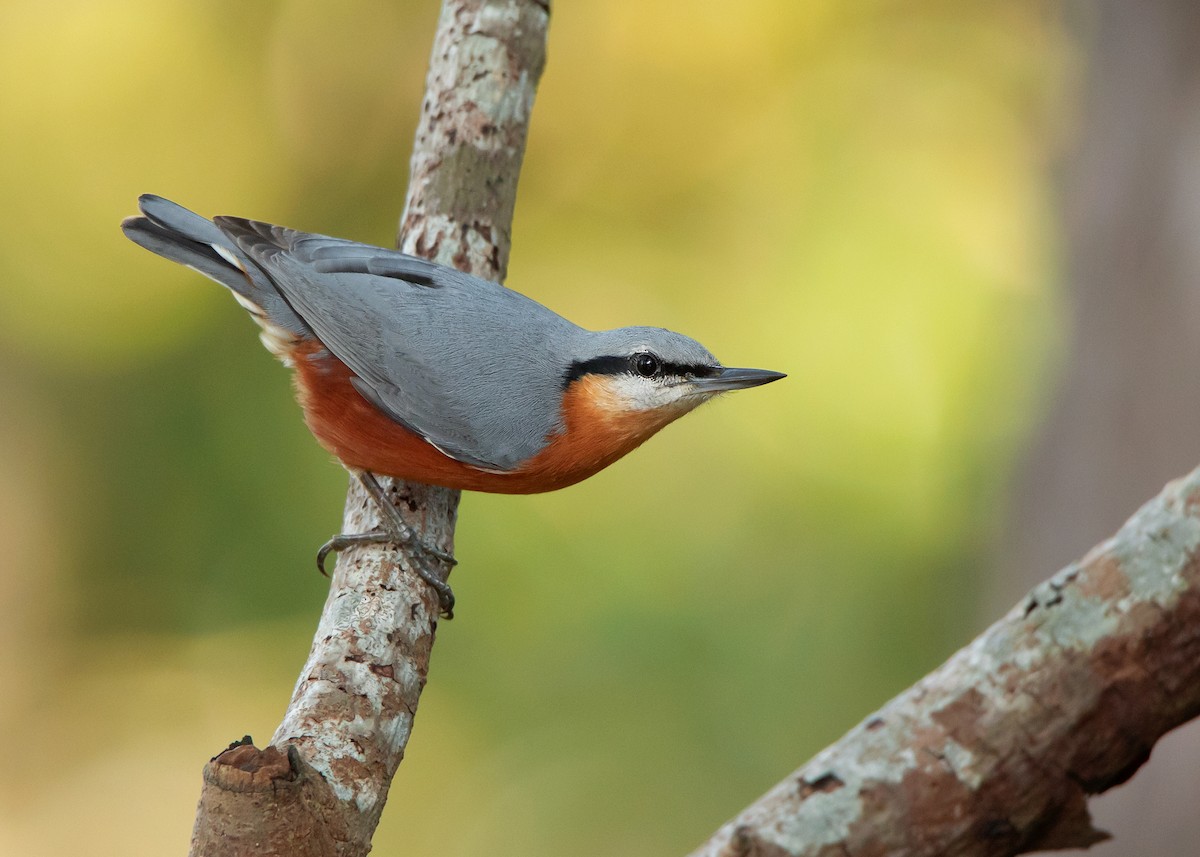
(595, 366)
(698, 370)
(624, 366)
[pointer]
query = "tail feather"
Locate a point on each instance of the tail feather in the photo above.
(171, 231)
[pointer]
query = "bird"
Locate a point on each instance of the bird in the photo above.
(415, 370)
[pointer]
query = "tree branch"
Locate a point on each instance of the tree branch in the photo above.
(321, 786)
(996, 752)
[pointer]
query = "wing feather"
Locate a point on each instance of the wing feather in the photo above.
(469, 365)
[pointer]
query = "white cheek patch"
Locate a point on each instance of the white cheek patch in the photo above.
(634, 393)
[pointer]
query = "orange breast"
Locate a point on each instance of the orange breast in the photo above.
(597, 432)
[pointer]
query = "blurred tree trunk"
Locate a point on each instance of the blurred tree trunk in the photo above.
(1126, 415)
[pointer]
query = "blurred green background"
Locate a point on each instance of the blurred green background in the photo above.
(854, 193)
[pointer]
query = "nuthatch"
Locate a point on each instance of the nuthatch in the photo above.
(410, 369)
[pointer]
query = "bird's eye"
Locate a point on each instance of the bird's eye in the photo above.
(646, 364)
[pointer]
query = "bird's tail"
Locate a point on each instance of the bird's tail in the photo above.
(183, 236)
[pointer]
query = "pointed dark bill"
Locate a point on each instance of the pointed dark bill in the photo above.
(737, 379)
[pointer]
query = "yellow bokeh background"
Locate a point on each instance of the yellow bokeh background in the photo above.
(856, 194)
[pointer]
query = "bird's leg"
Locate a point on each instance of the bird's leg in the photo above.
(394, 530)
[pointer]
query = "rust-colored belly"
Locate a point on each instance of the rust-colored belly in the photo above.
(596, 433)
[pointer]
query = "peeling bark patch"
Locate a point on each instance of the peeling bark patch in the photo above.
(1105, 580)
(933, 798)
(961, 717)
(826, 783)
(247, 768)
(422, 246)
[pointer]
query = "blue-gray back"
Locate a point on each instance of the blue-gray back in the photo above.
(474, 367)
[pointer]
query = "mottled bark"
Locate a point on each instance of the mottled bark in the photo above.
(996, 752)
(321, 785)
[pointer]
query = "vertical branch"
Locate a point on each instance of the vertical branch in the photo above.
(332, 759)
(487, 59)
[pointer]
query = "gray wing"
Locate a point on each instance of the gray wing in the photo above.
(469, 365)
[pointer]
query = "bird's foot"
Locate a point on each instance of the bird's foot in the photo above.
(382, 536)
(394, 530)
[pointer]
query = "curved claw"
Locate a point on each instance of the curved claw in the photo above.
(445, 597)
(325, 550)
(340, 542)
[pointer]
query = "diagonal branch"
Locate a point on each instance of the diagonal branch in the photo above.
(996, 752)
(321, 785)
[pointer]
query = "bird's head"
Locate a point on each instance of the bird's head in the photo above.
(649, 370)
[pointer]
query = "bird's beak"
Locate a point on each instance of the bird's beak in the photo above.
(736, 379)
